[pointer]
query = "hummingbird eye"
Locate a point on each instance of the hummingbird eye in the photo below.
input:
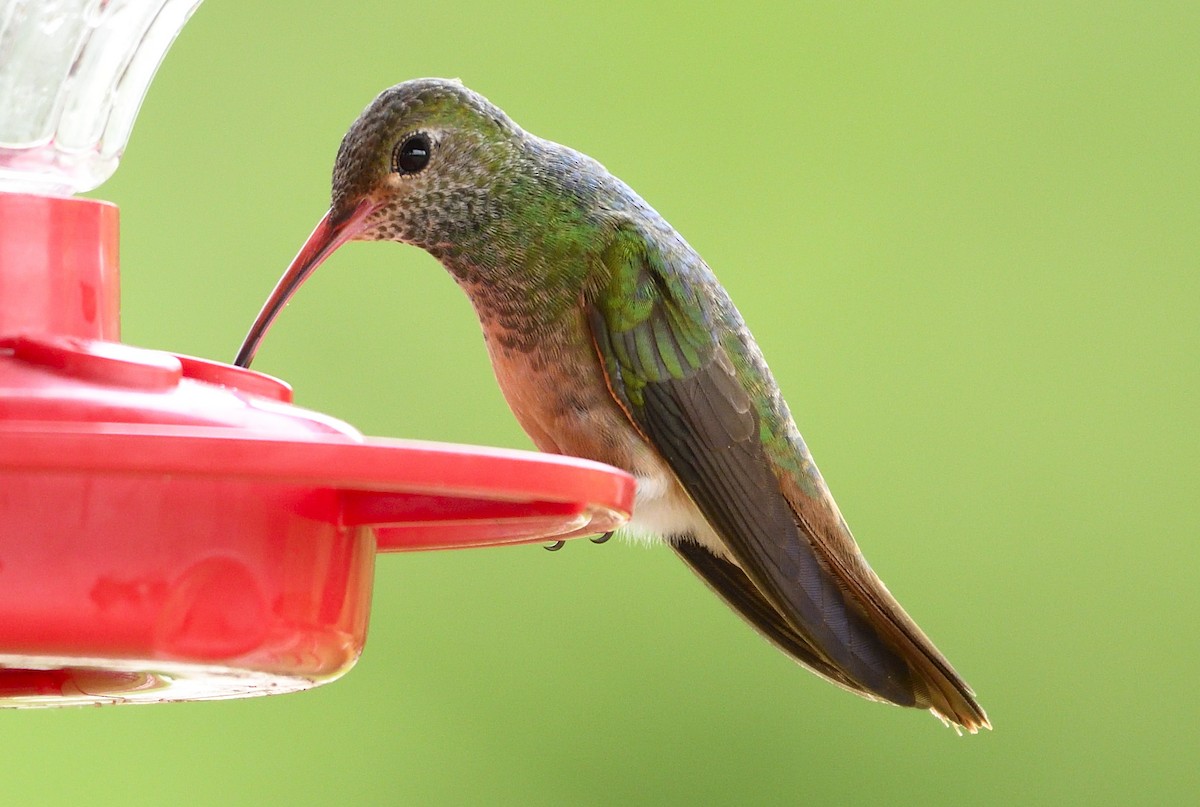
(411, 155)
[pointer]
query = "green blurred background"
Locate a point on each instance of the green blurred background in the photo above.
(967, 240)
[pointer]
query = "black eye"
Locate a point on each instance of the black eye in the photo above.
(411, 155)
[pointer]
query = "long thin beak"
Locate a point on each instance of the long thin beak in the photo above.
(326, 237)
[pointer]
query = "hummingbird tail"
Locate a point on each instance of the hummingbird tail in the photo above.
(935, 685)
(945, 694)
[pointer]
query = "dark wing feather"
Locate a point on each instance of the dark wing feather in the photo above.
(730, 583)
(679, 387)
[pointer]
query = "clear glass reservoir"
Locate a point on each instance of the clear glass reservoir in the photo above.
(73, 74)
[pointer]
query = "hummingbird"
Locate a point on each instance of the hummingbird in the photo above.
(613, 340)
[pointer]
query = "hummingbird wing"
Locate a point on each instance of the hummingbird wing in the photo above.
(704, 401)
(730, 583)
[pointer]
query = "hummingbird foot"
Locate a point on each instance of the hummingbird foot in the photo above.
(557, 545)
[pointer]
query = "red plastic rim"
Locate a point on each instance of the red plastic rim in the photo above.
(412, 492)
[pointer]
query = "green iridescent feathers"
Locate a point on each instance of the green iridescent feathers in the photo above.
(652, 322)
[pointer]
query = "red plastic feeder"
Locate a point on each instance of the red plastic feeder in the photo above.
(172, 528)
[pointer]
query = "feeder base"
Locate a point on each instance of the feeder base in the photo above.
(40, 681)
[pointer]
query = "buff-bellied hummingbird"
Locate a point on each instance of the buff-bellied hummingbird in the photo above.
(613, 340)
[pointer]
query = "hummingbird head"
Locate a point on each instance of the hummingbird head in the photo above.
(415, 158)
(418, 165)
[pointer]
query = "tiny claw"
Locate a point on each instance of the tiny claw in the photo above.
(602, 538)
(554, 547)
